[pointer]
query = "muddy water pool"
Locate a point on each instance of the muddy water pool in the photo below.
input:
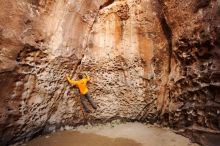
(126, 134)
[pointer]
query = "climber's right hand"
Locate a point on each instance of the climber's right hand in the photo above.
(67, 75)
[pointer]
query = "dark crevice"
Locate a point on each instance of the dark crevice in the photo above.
(107, 3)
(168, 34)
(199, 4)
(166, 30)
(160, 11)
(27, 136)
(34, 2)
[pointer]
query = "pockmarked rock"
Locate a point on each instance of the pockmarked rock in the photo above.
(154, 61)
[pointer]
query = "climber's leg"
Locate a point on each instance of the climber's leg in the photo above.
(83, 101)
(88, 96)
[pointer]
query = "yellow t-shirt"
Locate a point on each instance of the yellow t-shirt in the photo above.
(81, 84)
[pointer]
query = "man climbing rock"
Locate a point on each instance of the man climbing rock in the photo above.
(81, 84)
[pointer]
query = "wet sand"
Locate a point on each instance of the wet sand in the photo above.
(74, 138)
(128, 134)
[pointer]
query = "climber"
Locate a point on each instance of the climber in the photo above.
(81, 85)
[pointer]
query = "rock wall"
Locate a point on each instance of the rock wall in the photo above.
(192, 102)
(34, 61)
(153, 61)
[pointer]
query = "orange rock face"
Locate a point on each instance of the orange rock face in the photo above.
(151, 61)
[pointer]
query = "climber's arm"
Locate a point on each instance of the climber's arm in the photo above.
(72, 82)
(87, 78)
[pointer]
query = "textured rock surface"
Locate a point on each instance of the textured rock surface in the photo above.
(193, 99)
(150, 61)
(195, 61)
